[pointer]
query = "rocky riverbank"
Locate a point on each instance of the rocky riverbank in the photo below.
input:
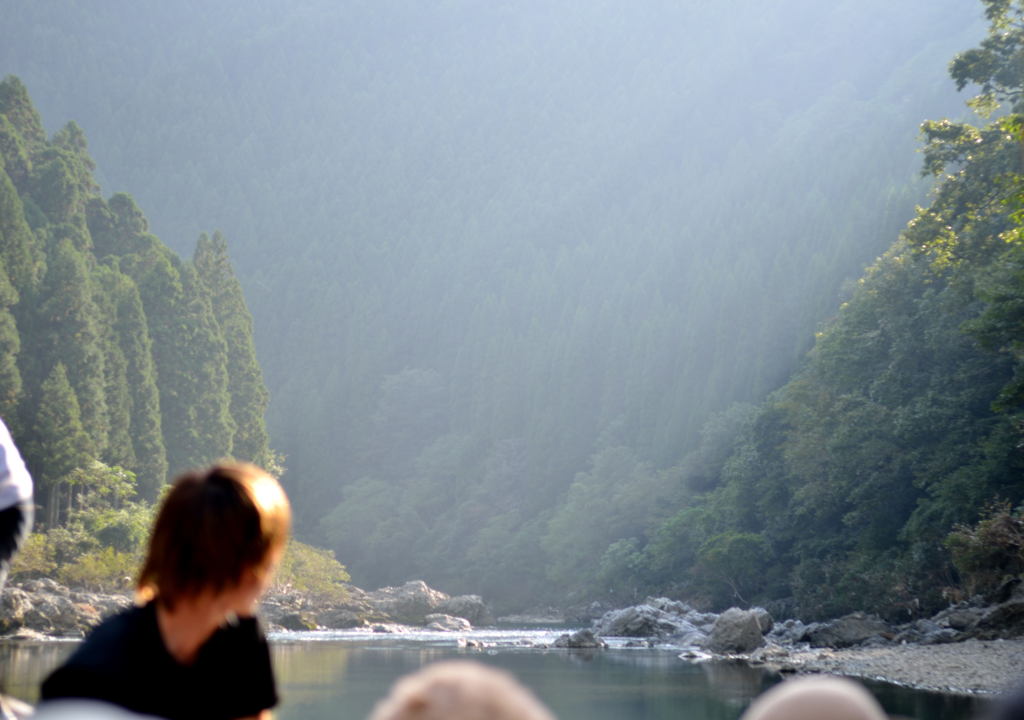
(969, 648)
(970, 667)
(38, 608)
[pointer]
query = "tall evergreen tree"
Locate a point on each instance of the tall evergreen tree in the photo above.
(249, 395)
(119, 449)
(17, 106)
(10, 344)
(132, 331)
(19, 248)
(118, 226)
(66, 327)
(14, 154)
(57, 443)
(190, 357)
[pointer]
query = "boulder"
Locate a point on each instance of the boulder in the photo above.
(470, 607)
(447, 623)
(959, 617)
(638, 621)
(15, 603)
(938, 637)
(388, 628)
(44, 585)
(658, 618)
(673, 607)
(297, 621)
(1001, 621)
(46, 607)
(764, 619)
(736, 631)
(341, 618)
(847, 631)
(788, 632)
(409, 603)
(582, 640)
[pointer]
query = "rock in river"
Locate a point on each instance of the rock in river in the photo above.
(736, 631)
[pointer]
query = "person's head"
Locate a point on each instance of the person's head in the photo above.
(816, 697)
(460, 690)
(218, 530)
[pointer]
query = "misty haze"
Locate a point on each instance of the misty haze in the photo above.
(566, 305)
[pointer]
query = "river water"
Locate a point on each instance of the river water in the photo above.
(340, 675)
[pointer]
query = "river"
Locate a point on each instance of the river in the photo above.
(339, 675)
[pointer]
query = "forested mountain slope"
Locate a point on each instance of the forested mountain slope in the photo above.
(505, 262)
(118, 359)
(860, 483)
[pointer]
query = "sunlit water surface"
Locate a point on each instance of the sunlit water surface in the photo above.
(340, 675)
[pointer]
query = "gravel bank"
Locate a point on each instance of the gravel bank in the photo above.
(972, 667)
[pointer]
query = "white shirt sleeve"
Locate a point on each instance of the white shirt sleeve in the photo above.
(15, 481)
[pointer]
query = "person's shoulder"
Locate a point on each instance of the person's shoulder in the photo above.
(132, 623)
(131, 618)
(106, 650)
(112, 662)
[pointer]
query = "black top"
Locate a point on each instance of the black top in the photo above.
(124, 662)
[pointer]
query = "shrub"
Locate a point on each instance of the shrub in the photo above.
(35, 559)
(104, 570)
(312, 570)
(991, 551)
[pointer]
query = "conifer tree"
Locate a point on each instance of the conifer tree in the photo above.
(57, 443)
(66, 329)
(56, 188)
(249, 395)
(10, 344)
(132, 332)
(14, 154)
(118, 226)
(119, 449)
(19, 249)
(190, 359)
(16, 105)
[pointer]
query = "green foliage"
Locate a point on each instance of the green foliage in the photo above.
(14, 156)
(997, 65)
(732, 566)
(459, 370)
(103, 570)
(905, 420)
(93, 400)
(990, 551)
(189, 358)
(313, 571)
(17, 107)
(613, 501)
(248, 394)
(35, 559)
(101, 534)
(621, 566)
(61, 443)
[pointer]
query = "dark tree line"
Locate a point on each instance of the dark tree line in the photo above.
(112, 348)
(850, 485)
(518, 342)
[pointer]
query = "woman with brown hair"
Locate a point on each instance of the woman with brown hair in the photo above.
(191, 647)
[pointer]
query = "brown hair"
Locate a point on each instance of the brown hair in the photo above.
(213, 527)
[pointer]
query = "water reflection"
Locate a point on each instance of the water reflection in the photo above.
(23, 665)
(327, 676)
(734, 683)
(327, 680)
